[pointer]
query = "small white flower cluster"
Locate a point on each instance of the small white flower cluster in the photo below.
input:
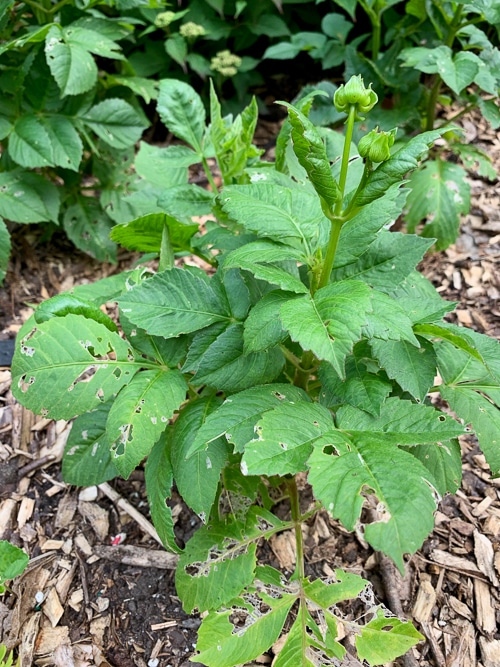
(191, 30)
(226, 63)
(164, 19)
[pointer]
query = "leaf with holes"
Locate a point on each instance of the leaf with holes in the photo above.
(141, 413)
(87, 457)
(71, 63)
(92, 363)
(385, 638)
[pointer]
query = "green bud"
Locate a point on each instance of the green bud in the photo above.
(376, 145)
(355, 93)
(226, 63)
(191, 30)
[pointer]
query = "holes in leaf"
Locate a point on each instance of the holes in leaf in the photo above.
(24, 384)
(86, 376)
(442, 418)
(28, 351)
(117, 372)
(280, 397)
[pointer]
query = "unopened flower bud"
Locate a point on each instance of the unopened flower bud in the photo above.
(164, 19)
(376, 145)
(355, 93)
(226, 63)
(191, 30)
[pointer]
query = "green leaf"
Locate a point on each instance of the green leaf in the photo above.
(420, 299)
(181, 109)
(140, 414)
(459, 339)
(282, 51)
(358, 233)
(259, 258)
(67, 147)
(413, 368)
(444, 462)
(29, 143)
(13, 561)
(330, 323)
(174, 302)
(28, 197)
(285, 215)
(187, 201)
(477, 410)
(4, 249)
(94, 41)
(177, 49)
(92, 363)
(385, 638)
(164, 167)
(197, 477)
(159, 480)
(387, 262)
(217, 564)
(237, 416)
(70, 63)
(145, 233)
(457, 71)
(389, 321)
(262, 327)
(311, 153)
(284, 439)
(66, 303)
(141, 86)
(346, 586)
(115, 122)
(397, 166)
(297, 644)
(87, 456)
(440, 193)
(361, 388)
(88, 226)
(224, 365)
(400, 422)
(222, 644)
(342, 482)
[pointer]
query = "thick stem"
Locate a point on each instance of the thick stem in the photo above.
(208, 174)
(303, 372)
(297, 520)
(376, 34)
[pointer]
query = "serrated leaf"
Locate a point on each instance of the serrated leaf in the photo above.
(4, 249)
(440, 193)
(140, 414)
(262, 327)
(116, 122)
(66, 303)
(145, 233)
(237, 416)
(88, 226)
(294, 651)
(159, 478)
(94, 41)
(13, 561)
(284, 438)
(172, 303)
(330, 323)
(484, 416)
(28, 197)
(444, 462)
(420, 300)
(187, 201)
(397, 166)
(67, 147)
(405, 510)
(164, 167)
(92, 364)
(87, 456)
(259, 258)
(71, 64)
(220, 644)
(457, 71)
(181, 109)
(360, 388)
(285, 215)
(311, 153)
(413, 368)
(385, 638)
(459, 339)
(387, 262)
(224, 364)
(197, 477)
(145, 88)
(29, 143)
(388, 321)
(346, 586)
(400, 422)
(358, 233)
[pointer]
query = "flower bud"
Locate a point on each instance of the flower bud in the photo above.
(376, 145)
(355, 93)
(192, 30)
(164, 19)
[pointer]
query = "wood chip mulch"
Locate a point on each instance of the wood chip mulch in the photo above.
(99, 589)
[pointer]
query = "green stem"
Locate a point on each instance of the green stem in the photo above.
(297, 521)
(303, 371)
(351, 118)
(461, 113)
(376, 38)
(208, 174)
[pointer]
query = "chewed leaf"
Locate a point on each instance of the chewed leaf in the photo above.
(140, 413)
(385, 638)
(93, 364)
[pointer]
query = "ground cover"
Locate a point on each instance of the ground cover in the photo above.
(115, 603)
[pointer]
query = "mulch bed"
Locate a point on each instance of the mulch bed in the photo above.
(99, 589)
